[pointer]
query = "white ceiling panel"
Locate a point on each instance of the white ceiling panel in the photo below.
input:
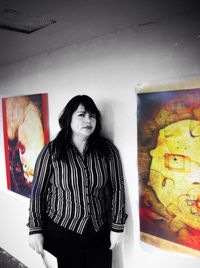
(80, 20)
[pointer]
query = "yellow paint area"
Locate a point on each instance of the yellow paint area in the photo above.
(175, 171)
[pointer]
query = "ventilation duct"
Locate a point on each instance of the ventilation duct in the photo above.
(22, 22)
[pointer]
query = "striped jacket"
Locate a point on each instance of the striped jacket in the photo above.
(73, 191)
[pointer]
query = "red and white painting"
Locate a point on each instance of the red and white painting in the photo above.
(25, 126)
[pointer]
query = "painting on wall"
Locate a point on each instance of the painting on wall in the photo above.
(25, 126)
(169, 167)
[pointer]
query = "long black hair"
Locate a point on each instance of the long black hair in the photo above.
(63, 139)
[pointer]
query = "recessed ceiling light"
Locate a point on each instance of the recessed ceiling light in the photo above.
(22, 22)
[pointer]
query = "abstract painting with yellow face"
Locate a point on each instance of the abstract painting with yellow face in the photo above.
(25, 125)
(169, 168)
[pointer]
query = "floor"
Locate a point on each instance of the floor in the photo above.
(8, 261)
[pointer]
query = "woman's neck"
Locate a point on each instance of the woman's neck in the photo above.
(80, 143)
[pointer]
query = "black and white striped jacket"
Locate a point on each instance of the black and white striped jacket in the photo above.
(73, 191)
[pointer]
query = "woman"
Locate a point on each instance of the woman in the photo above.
(69, 214)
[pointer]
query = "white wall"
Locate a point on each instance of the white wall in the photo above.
(107, 69)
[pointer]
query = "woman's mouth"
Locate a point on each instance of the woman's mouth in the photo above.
(87, 127)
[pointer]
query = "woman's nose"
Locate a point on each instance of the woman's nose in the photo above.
(87, 118)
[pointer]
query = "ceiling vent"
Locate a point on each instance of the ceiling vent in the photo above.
(22, 22)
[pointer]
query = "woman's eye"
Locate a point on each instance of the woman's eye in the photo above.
(81, 115)
(93, 116)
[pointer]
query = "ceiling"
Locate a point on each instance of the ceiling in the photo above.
(81, 20)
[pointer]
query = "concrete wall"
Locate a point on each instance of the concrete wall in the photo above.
(106, 68)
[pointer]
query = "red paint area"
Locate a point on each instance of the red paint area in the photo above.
(183, 108)
(171, 159)
(21, 147)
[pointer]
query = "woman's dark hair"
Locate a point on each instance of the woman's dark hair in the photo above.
(71, 107)
(64, 136)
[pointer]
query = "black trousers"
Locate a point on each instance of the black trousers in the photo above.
(87, 250)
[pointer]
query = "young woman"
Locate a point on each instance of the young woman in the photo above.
(75, 176)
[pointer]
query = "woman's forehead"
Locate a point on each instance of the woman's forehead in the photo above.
(82, 108)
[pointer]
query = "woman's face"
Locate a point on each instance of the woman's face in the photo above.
(83, 123)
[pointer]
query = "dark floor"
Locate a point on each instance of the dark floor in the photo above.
(8, 261)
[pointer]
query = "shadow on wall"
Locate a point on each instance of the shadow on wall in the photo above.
(107, 121)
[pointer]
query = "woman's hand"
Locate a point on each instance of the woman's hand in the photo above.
(115, 239)
(36, 242)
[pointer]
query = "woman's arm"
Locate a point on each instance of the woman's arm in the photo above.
(115, 239)
(42, 173)
(36, 242)
(117, 191)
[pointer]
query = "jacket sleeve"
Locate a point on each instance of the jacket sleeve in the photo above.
(42, 173)
(117, 190)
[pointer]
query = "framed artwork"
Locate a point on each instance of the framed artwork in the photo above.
(25, 126)
(169, 166)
